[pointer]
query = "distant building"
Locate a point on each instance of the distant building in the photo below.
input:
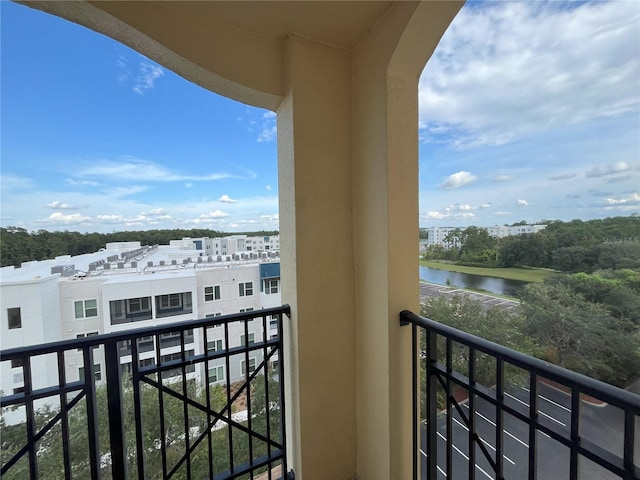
(437, 235)
(128, 286)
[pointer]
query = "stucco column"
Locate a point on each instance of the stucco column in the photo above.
(386, 69)
(315, 188)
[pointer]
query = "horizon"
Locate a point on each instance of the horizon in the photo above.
(524, 115)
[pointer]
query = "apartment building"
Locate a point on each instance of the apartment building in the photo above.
(230, 245)
(438, 235)
(127, 286)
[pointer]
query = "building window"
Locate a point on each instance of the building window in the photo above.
(216, 374)
(130, 310)
(270, 286)
(97, 372)
(14, 317)
(251, 339)
(246, 289)
(172, 300)
(18, 390)
(212, 293)
(250, 309)
(90, 334)
(252, 366)
(173, 304)
(86, 308)
(83, 335)
(214, 345)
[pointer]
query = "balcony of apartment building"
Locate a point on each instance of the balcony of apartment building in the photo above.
(342, 78)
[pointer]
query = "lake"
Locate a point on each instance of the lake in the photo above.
(477, 282)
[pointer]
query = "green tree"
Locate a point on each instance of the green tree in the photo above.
(580, 335)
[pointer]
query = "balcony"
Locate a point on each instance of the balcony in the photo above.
(505, 415)
(485, 411)
(136, 415)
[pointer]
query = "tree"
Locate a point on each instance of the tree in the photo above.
(580, 335)
(49, 448)
(478, 247)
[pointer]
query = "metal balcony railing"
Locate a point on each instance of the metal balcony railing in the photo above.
(100, 407)
(484, 411)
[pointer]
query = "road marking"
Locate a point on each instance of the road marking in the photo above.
(550, 401)
(484, 441)
(464, 455)
(437, 466)
(504, 430)
(517, 399)
(551, 418)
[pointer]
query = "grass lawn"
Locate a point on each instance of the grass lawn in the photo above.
(522, 274)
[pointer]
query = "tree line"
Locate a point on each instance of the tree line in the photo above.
(18, 245)
(586, 322)
(575, 246)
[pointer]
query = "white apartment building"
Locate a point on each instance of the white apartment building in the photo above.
(437, 235)
(230, 245)
(127, 286)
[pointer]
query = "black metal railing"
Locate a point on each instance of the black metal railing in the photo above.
(100, 406)
(482, 410)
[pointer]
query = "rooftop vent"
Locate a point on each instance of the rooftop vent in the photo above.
(64, 270)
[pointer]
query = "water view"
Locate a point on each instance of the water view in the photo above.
(477, 282)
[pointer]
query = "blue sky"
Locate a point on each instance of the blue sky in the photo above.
(528, 111)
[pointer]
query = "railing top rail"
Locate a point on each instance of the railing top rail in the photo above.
(133, 332)
(590, 386)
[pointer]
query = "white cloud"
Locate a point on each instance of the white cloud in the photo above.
(111, 218)
(504, 70)
(634, 199)
(522, 203)
(269, 129)
(565, 176)
(133, 169)
(61, 206)
(61, 218)
(15, 182)
(81, 183)
(155, 212)
(226, 199)
(268, 187)
(611, 169)
(458, 180)
(214, 214)
(148, 73)
(502, 178)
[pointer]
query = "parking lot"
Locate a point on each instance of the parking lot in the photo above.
(430, 290)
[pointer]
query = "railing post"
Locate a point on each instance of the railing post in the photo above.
(432, 405)
(114, 408)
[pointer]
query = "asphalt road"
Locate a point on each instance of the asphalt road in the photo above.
(600, 424)
(430, 290)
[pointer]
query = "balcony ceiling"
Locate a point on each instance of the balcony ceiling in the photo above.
(338, 23)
